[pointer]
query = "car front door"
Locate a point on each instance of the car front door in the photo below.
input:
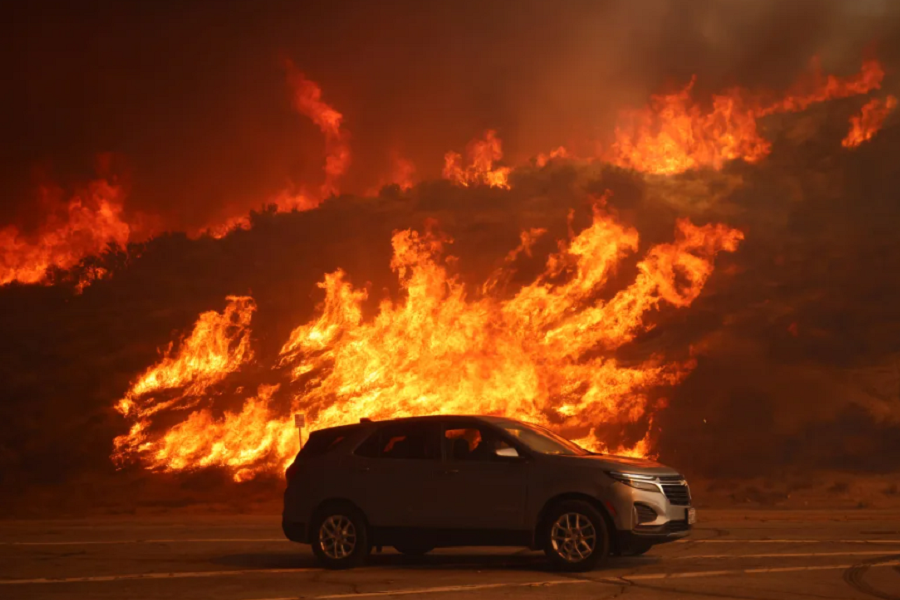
(479, 488)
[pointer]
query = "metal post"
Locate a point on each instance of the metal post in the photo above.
(300, 424)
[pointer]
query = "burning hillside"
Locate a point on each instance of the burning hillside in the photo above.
(543, 352)
(542, 355)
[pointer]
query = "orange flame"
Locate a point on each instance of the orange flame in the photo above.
(676, 134)
(868, 122)
(218, 345)
(256, 435)
(542, 159)
(542, 355)
(307, 100)
(817, 87)
(402, 172)
(482, 155)
(91, 221)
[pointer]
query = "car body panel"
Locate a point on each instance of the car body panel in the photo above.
(491, 502)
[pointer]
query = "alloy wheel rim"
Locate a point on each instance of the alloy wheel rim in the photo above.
(573, 537)
(337, 537)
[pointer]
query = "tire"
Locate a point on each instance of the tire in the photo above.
(413, 550)
(339, 536)
(575, 536)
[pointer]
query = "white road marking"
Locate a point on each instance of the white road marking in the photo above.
(758, 571)
(455, 588)
(739, 541)
(176, 575)
(790, 554)
(435, 590)
(445, 589)
(162, 541)
(620, 581)
(285, 541)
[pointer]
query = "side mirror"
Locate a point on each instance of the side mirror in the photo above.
(508, 452)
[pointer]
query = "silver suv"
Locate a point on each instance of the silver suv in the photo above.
(426, 482)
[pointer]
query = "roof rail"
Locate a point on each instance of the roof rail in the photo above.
(365, 420)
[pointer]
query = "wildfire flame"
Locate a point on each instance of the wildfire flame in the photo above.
(543, 354)
(91, 220)
(218, 345)
(480, 170)
(868, 122)
(306, 98)
(675, 133)
(542, 159)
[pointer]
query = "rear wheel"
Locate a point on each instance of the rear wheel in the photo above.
(340, 537)
(575, 536)
(413, 550)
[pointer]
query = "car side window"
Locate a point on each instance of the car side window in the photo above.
(472, 443)
(414, 441)
(371, 447)
(321, 442)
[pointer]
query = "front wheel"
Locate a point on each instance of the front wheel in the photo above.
(340, 537)
(575, 536)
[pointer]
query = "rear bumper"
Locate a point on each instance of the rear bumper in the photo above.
(296, 532)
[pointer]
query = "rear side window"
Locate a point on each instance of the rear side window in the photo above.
(472, 444)
(413, 441)
(320, 442)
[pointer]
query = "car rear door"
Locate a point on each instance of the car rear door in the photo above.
(477, 489)
(395, 471)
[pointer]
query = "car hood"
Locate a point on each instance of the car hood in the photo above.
(624, 464)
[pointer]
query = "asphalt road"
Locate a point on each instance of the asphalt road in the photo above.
(731, 554)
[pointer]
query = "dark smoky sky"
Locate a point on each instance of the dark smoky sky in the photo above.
(191, 96)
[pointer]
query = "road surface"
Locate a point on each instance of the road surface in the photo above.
(749, 554)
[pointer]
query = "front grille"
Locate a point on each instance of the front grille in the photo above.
(676, 490)
(645, 514)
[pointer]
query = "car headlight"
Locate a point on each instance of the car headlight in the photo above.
(641, 482)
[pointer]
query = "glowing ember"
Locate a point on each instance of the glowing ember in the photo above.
(542, 355)
(676, 134)
(480, 170)
(91, 221)
(868, 122)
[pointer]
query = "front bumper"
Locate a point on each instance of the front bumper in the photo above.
(632, 540)
(637, 526)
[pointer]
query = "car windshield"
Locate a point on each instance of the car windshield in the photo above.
(542, 440)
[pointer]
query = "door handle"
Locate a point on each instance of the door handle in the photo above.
(450, 471)
(363, 469)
